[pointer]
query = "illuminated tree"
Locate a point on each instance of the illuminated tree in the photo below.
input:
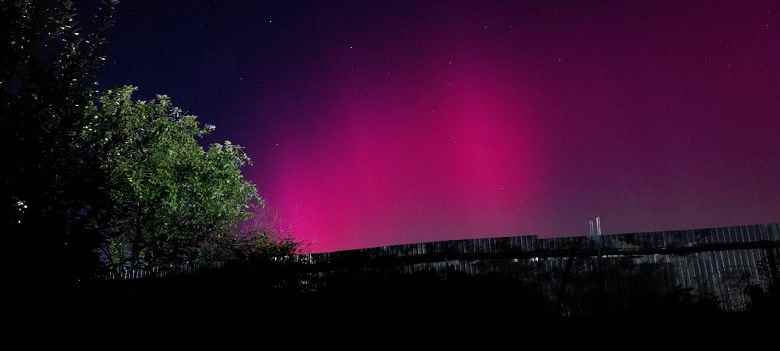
(173, 202)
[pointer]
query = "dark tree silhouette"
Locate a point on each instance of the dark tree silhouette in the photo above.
(51, 188)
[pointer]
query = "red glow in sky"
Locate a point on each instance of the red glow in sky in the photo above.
(383, 123)
(454, 169)
(495, 127)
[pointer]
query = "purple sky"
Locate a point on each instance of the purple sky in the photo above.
(376, 124)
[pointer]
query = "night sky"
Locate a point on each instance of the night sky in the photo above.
(375, 123)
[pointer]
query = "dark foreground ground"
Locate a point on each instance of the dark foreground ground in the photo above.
(424, 298)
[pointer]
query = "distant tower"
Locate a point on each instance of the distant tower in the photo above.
(598, 226)
(594, 226)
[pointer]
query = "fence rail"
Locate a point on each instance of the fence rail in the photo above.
(722, 261)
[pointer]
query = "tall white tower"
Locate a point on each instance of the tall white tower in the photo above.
(594, 226)
(598, 226)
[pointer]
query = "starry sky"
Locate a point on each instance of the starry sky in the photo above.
(374, 123)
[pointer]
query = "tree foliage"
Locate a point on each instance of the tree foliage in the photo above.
(174, 202)
(93, 179)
